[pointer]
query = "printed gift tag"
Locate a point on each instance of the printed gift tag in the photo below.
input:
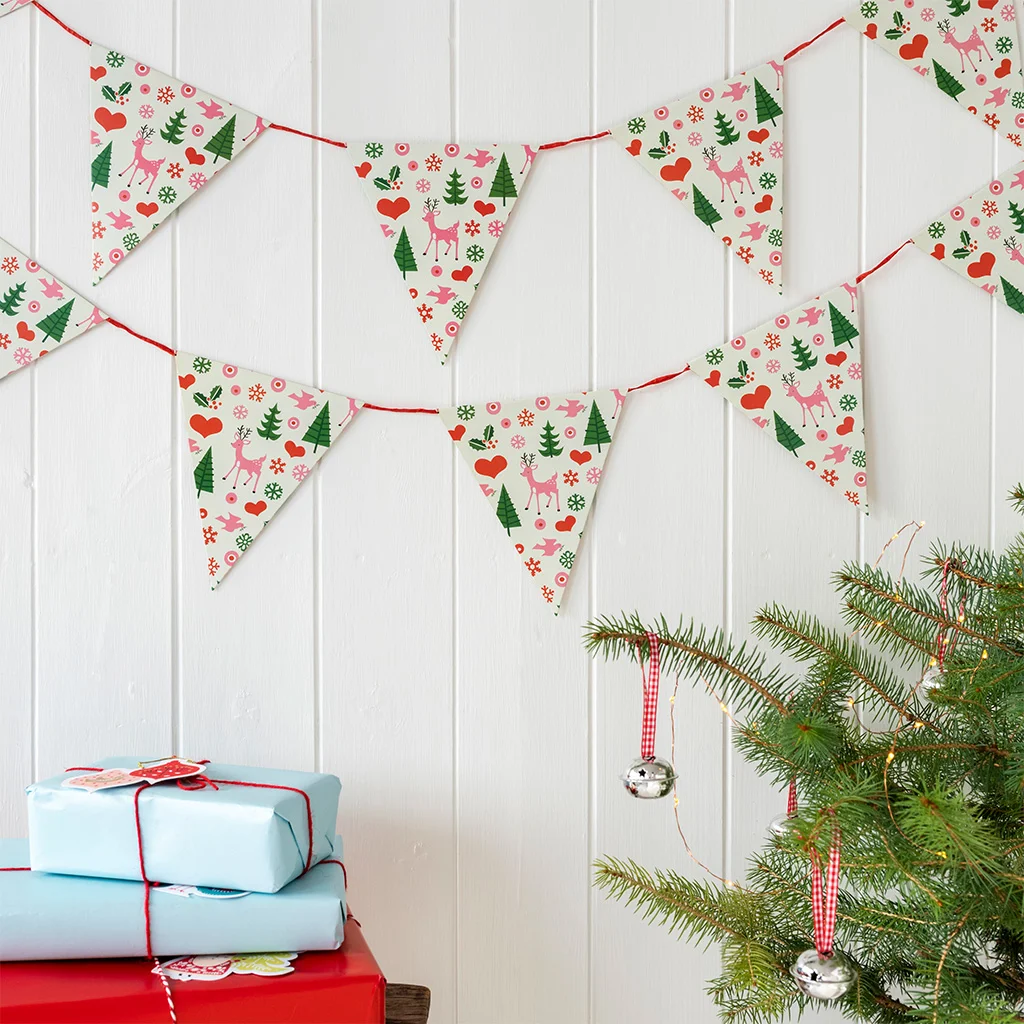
(109, 779)
(161, 770)
(204, 891)
(213, 968)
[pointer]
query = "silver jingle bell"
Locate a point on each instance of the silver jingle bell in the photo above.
(823, 977)
(933, 679)
(649, 780)
(780, 825)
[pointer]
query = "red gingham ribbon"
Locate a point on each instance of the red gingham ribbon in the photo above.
(791, 805)
(824, 904)
(651, 677)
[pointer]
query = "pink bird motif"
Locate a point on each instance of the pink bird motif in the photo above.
(548, 546)
(121, 220)
(998, 97)
(94, 138)
(212, 109)
(231, 522)
(388, 231)
(571, 408)
(304, 400)
(760, 421)
(488, 491)
(193, 447)
(811, 316)
(481, 158)
(754, 231)
(735, 91)
(837, 454)
(1018, 182)
(442, 295)
(52, 289)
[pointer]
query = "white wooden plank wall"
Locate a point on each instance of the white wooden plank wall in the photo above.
(381, 630)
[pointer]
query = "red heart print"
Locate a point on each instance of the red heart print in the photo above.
(714, 378)
(871, 31)
(205, 427)
(758, 399)
(108, 120)
(764, 205)
(296, 451)
(939, 252)
(914, 50)
(393, 208)
(484, 209)
(758, 136)
(845, 427)
(462, 275)
(147, 209)
(1004, 68)
(187, 381)
(982, 267)
(634, 147)
(193, 157)
(677, 171)
(256, 508)
(835, 358)
(566, 524)
(364, 168)
(580, 458)
(97, 73)
(491, 467)
(987, 5)
(458, 432)
(25, 332)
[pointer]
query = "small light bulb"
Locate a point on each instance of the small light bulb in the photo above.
(984, 654)
(889, 757)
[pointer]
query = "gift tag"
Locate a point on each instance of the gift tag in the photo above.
(204, 891)
(167, 768)
(196, 968)
(108, 779)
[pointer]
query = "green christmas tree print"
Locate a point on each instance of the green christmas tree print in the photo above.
(958, 7)
(223, 143)
(203, 473)
(506, 511)
(503, 187)
(803, 356)
(13, 298)
(101, 167)
(1014, 296)
(404, 256)
(455, 191)
(549, 446)
(766, 106)
(946, 81)
(55, 324)
(786, 435)
(173, 131)
(704, 209)
(597, 431)
(725, 130)
(319, 432)
(270, 427)
(843, 331)
(1017, 216)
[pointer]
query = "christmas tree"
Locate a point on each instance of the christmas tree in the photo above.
(13, 298)
(506, 511)
(725, 130)
(946, 81)
(802, 355)
(1013, 296)
(906, 742)
(223, 143)
(549, 446)
(455, 192)
(786, 435)
(101, 166)
(203, 473)
(319, 432)
(958, 7)
(404, 256)
(270, 425)
(765, 105)
(597, 431)
(54, 324)
(503, 187)
(843, 331)
(173, 130)
(704, 209)
(1017, 216)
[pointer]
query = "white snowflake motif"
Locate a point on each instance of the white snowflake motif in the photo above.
(22, 356)
(494, 229)
(300, 472)
(593, 475)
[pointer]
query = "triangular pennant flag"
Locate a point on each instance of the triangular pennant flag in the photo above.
(156, 142)
(982, 238)
(720, 152)
(968, 49)
(6, 6)
(252, 440)
(798, 378)
(538, 462)
(442, 209)
(37, 312)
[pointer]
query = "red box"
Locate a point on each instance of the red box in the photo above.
(344, 986)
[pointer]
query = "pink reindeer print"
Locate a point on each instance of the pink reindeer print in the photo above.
(817, 399)
(94, 318)
(252, 467)
(437, 234)
(778, 69)
(529, 153)
(353, 408)
(539, 487)
(729, 177)
(150, 168)
(620, 398)
(260, 127)
(1013, 248)
(965, 47)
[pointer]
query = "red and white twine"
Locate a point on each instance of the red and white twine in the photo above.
(823, 904)
(652, 678)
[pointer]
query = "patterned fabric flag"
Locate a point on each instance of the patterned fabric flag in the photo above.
(252, 440)
(538, 462)
(37, 312)
(968, 49)
(156, 142)
(982, 238)
(442, 210)
(6, 6)
(798, 378)
(719, 151)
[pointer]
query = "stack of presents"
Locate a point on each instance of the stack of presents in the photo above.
(184, 891)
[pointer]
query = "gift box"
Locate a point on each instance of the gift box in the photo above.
(45, 916)
(344, 985)
(245, 828)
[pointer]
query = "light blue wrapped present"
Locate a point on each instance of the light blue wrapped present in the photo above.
(57, 917)
(231, 836)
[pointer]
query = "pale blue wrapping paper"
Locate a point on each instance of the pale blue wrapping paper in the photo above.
(234, 837)
(57, 917)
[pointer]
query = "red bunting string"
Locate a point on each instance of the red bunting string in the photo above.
(803, 46)
(53, 17)
(881, 263)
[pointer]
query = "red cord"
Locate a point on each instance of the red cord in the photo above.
(659, 380)
(803, 46)
(15, 869)
(882, 263)
(67, 28)
(83, 769)
(142, 337)
(569, 142)
(344, 873)
(306, 135)
(390, 408)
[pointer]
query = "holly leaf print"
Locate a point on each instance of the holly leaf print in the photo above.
(656, 153)
(488, 432)
(664, 139)
(964, 250)
(741, 380)
(108, 93)
(125, 88)
(477, 445)
(202, 400)
(897, 32)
